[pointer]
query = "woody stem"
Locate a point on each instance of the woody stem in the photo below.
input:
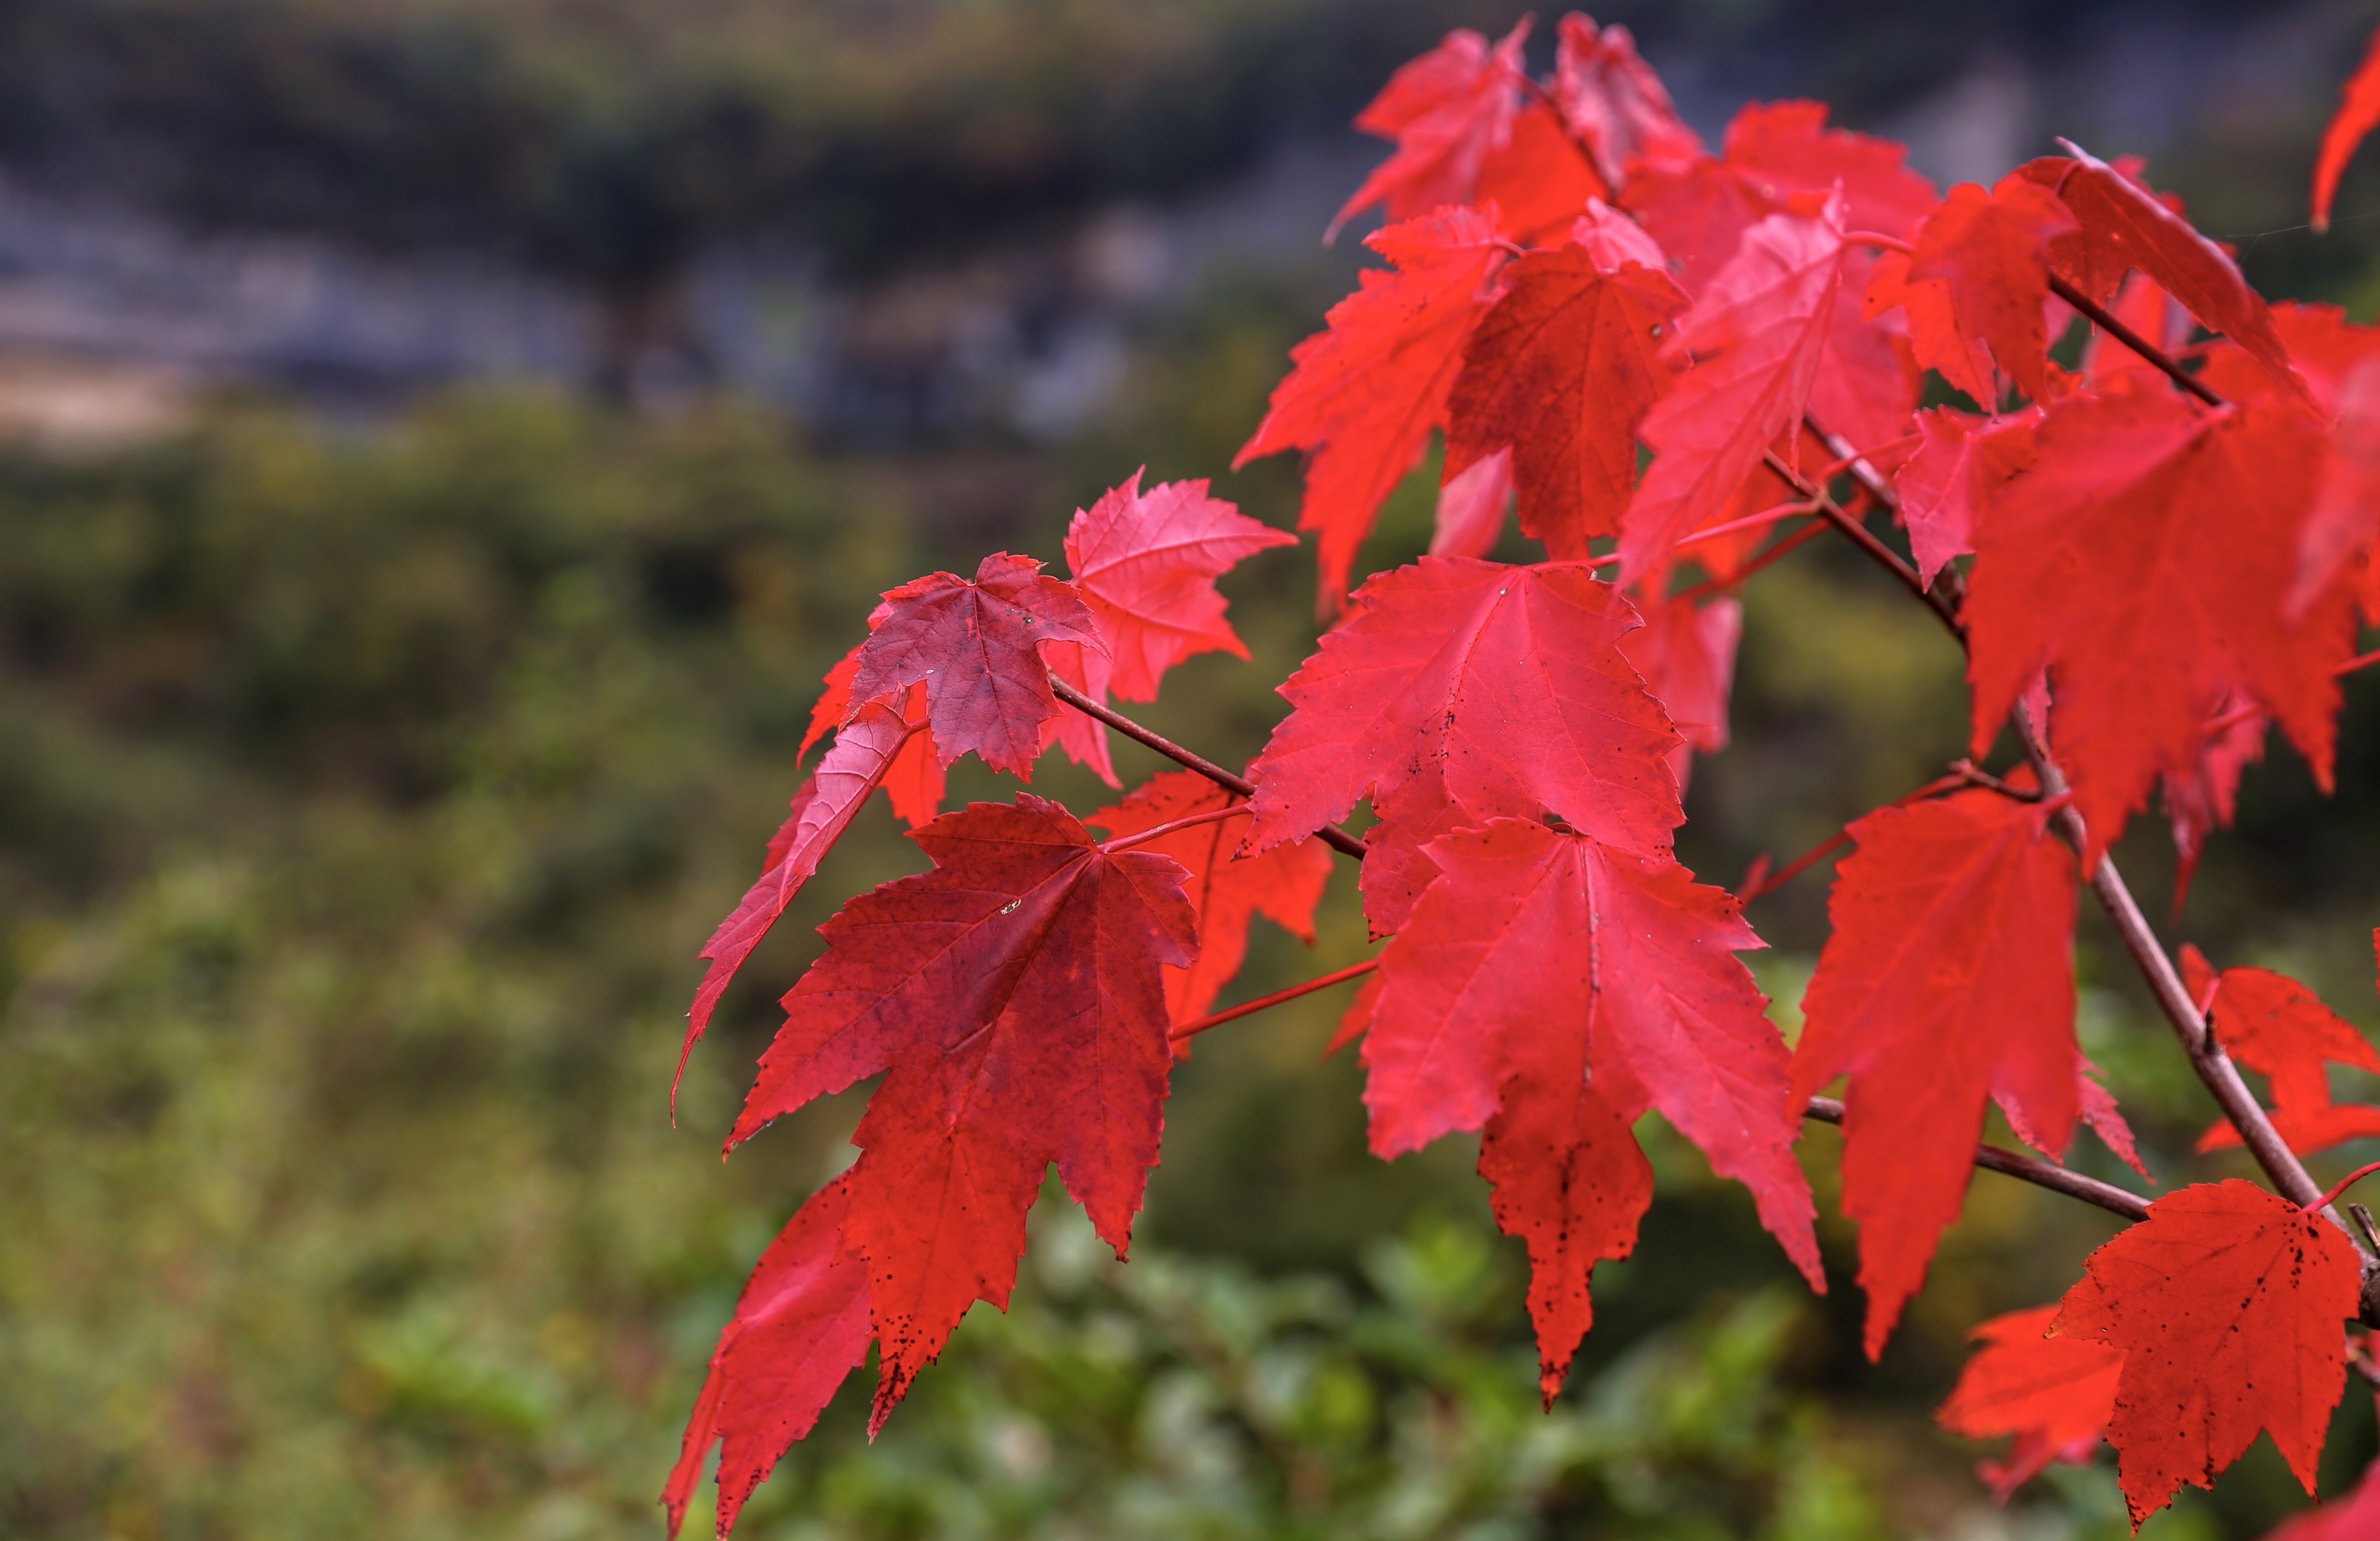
(2213, 1067)
(1330, 835)
(2041, 1174)
(2099, 316)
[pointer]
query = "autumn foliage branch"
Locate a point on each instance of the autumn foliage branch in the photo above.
(2151, 550)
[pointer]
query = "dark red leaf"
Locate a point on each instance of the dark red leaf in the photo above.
(2228, 1303)
(1015, 995)
(977, 646)
(1561, 371)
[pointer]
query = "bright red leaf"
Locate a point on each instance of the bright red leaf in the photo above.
(1459, 690)
(1687, 654)
(2358, 109)
(1146, 563)
(1946, 982)
(865, 750)
(1612, 100)
(2228, 1303)
(1974, 287)
(2125, 226)
(1449, 110)
(2282, 1031)
(1757, 335)
(1960, 464)
(2201, 798)
(977, 648)
(1013, 999)
(1787, 156)
(2153, 316)
(800, 1326)
(1560, 371)
(2144, 559)
(1471, 507)
(1538, 181)
(2054, 1394)
(1538, 956)
(1226, 890)
(1366, 393)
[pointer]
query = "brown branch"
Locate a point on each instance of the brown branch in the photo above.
(2099, 316)
(2214, 1068)
(2041, 1174)
(1878, 552)
(1330, 835)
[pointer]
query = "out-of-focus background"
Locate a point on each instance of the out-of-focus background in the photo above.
(444, 442)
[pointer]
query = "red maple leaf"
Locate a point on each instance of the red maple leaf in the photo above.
(1785, 152)
(914, 780)
(2202, 797)
(1459, 690)
(864, 751)
(1366, 393)
(977, 646)
(1541, 181)
(2228, 1303)
(1975, 285)
(1536, 957)
(1946, 982)
(800, 1326)
(2145, 559)
(1687, 654)
(1560, 371)
(2153, 316)
(2354, 1518)
(1962, 462)
(1013, 999)
(1613, 101)
(1779, 158)
(2054, 1394)
(1757, 335)
(2282, 1031)
(1868, 387)
(1226, 890)
(1469, 520)
(1447, 111)
(2125, 226)
(1146, 563)
(2358, 109)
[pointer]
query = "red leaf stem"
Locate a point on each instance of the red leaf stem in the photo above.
(1331, 835)
(1245, 1008)
(1142, 837)
(1840, 838)
(1734, 580)
(1878, 239)
(2342, 1185)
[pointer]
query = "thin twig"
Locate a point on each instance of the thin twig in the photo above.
(1770, 881)
(1330, 834)
(2073, 1185)
(1882, 555)
(1800, 537)
(2099, 316)
(1191, 1029)
(1974, 775)
(1159, 831)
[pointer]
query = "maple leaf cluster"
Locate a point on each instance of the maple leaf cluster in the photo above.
(1658, 358)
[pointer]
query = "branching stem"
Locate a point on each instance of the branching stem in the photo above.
(2041, 1174)
(1330, 835)
(1142, 837)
